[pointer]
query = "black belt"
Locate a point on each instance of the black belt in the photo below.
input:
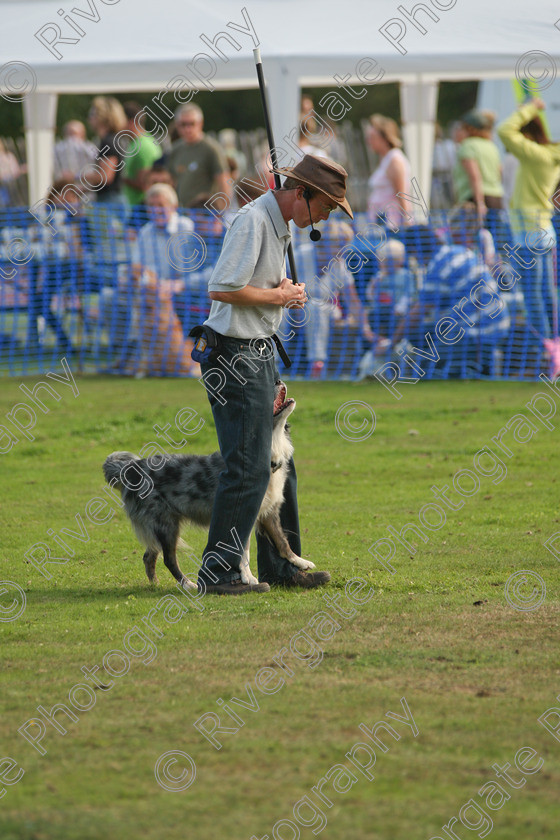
(207, 346)
(279, 346)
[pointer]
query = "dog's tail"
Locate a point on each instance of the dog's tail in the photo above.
(114, 464)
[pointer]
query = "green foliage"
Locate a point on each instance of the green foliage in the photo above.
(242, 110)
(454, 99)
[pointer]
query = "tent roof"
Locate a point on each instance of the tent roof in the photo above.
(141, 45)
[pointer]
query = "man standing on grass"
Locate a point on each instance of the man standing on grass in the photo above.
(248, 291)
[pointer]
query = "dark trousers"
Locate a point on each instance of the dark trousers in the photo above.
(57, 278)
(240, 388)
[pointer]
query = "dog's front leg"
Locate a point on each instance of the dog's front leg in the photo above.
(246, 575)
(272, 527)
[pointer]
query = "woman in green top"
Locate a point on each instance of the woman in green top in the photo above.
(523, 135)
(477, 175)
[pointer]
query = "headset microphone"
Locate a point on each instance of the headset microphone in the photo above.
(315, 235)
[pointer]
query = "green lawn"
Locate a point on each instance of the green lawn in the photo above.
(476, 672)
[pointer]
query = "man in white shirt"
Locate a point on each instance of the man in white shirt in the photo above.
(248, 291)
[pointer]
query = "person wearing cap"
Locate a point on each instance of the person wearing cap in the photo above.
(523, 134)
(391, 180)
(477, 175)
(249, 290)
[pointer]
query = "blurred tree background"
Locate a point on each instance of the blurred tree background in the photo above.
(242, 109)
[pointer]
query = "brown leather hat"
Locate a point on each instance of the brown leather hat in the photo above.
(323, 175)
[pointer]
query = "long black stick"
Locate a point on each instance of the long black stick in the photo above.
(272, 147)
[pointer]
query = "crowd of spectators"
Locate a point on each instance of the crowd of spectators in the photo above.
(512, 218)
(153, 198)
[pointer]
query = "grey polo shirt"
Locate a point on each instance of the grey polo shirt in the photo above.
(253, 253)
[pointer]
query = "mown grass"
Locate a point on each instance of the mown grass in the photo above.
(475, 672)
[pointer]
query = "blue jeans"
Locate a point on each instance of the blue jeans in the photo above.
(240, 388)
(537, 283)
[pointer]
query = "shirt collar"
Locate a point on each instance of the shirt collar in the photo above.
(273, 209)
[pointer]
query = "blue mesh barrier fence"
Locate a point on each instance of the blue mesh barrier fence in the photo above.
(115, 291)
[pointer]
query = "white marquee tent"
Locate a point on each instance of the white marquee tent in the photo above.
(126, 45)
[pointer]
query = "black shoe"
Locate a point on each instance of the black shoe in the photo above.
(234, 587)
(307, 580)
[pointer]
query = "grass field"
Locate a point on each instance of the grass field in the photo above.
(476, 672)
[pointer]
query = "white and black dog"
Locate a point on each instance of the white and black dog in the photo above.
(182, 489)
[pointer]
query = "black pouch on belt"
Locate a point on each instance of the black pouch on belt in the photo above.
(206, 345)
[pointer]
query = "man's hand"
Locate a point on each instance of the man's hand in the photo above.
(292, 296)
(286, 294)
